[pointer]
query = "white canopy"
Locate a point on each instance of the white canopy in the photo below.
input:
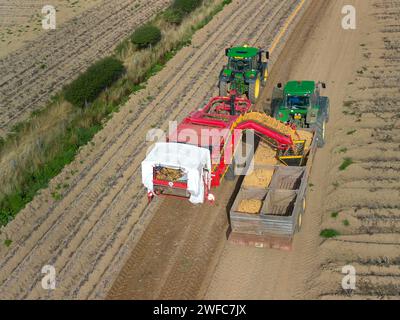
(191, 159)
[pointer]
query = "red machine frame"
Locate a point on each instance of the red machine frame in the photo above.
(220, 113)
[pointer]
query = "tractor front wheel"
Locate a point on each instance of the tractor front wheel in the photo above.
(223, 88)
(254, 90)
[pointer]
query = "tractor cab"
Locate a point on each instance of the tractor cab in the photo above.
(301, 103)
(245, 71)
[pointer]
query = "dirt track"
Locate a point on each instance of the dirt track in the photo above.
(31, 74)
(89, 233)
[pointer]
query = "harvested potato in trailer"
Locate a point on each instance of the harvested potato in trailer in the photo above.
(251, 206)
(259, 178)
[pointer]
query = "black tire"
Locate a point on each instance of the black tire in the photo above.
(255, 89)
(264, 75)
(301, 215)
(325, 107)
(320, 127)
(223, 88)
(299, 222)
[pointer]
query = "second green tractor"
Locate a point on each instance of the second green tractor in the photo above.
(301, 103)
(245, 73)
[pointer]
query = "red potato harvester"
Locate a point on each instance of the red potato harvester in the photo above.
(199, 154)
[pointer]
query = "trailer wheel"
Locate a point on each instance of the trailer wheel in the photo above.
(223, 88)
(299, 222)
(254, 90)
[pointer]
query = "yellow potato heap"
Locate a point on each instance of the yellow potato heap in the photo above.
(307, 136)
(169, 174)
(250, 206)
(260, 178)
(265, 155)
(269, 122)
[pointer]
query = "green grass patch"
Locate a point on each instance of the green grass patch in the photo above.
(346, 223)
(88, 86)
(329, 233)
(334, 214)
(351, 132)
(345, 164)
(145, 36)
(342, 150)
(7, 242)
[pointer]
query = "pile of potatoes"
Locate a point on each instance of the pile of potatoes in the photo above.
(251, 206)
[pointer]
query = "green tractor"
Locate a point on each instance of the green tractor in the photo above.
(301, 103)
(245, 73)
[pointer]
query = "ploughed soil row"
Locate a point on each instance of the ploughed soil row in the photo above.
(366, 195)
(31, 74)
(89, 233)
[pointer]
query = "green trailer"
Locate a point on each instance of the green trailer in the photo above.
(246, 72)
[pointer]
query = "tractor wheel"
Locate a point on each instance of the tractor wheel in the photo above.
(320, 128)
(254, 90)
(324, 105)
(264, 76)
(223, 88)
(300, 217)
(299, 222)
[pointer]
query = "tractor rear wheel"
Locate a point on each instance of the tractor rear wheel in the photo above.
(223, 88)
(324, 105)
(320, 128)
(264, 76)
(254, 90)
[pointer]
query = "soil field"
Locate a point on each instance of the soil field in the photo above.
(361, 68)
(37, 70)
(89, 234)
(21, 20)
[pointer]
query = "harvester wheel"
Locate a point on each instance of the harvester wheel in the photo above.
(254, 90)
(223, 88)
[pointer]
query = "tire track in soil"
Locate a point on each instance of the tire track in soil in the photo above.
(63, 208)
(46, 64)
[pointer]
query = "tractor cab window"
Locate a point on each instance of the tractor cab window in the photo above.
(298, 101)
(239, 65)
